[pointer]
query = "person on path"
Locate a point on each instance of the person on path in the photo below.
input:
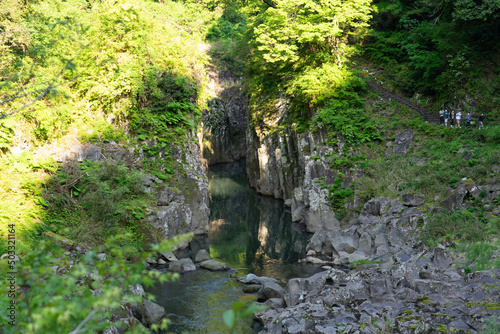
(468, 119)
(441, 116)
(480, 121)
(458, 117)
(446, 116)
(452, 118)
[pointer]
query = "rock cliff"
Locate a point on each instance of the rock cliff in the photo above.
(224, 123)
(294, 167)
(181, 205)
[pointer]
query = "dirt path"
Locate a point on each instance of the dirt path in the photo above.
(429, 116)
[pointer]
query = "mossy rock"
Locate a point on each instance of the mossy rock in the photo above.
(61, 241)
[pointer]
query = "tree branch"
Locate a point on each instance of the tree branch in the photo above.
(45, 92)
(77, 329)
(270, 3)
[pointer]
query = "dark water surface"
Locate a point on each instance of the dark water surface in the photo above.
(252, 234)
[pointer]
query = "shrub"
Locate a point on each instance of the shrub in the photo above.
(461, 225)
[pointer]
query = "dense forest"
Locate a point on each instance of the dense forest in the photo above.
(133, 72)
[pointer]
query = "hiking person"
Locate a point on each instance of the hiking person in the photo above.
(468, 119)
(446, 116)
(441, 116)
(458, 117)
(480, 121)
(452, 118)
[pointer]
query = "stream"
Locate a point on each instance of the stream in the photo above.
(252, 234)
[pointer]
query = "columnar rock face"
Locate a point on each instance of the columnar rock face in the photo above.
(293, 167)
(184, 208)
(224, 123)
(384, 228)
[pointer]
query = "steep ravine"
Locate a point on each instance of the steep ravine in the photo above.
(404, 288)
(222, 134)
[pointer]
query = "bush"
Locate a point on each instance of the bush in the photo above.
(85, 292)
(458, 225)
(91, 201)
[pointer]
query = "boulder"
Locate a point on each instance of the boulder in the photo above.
(152, 312)
(183, 265)
(413, 199)
(91, 152)
(471, 187)
(251, 288)
(202, 255)
(271, 290)
(214, 265)
(275, 303)
(187, 264)
(402, 143)
(254, 279)
(169, 256)
(61, 241)
(455, 200)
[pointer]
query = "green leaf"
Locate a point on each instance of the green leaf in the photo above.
(229, 318)
(236, 306)
(252, 309)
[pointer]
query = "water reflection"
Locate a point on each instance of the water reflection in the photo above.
(253, 234)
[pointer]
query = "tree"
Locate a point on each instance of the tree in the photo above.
(300, 33)
(57, 293)
(304, 45)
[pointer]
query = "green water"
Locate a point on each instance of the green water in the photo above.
(252, 234)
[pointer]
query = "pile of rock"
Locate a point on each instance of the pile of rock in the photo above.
(384, 228)
(420, 294)
(202, 259)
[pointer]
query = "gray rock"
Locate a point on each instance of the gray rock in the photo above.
(202, 255)
(345, 318)
(403, 142)
(214, 265)
(274, 303)
(254, 279)
(169, 256)
(455, 200)
(101, 256)
(413, 199)
(153, 312)
(365, 243)
(251, 288)
(92, 153)
(165, 197)
(187, 264)
(183, 265)
(111, 330)
(271, 290)
(471, 187)
(137, 290)
(176, 266)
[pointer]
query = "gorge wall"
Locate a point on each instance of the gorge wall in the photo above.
(222, 134)
(293, 167)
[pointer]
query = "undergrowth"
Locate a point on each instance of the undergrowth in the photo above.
(92, 201)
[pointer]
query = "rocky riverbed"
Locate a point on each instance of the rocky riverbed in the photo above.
(382, 279)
